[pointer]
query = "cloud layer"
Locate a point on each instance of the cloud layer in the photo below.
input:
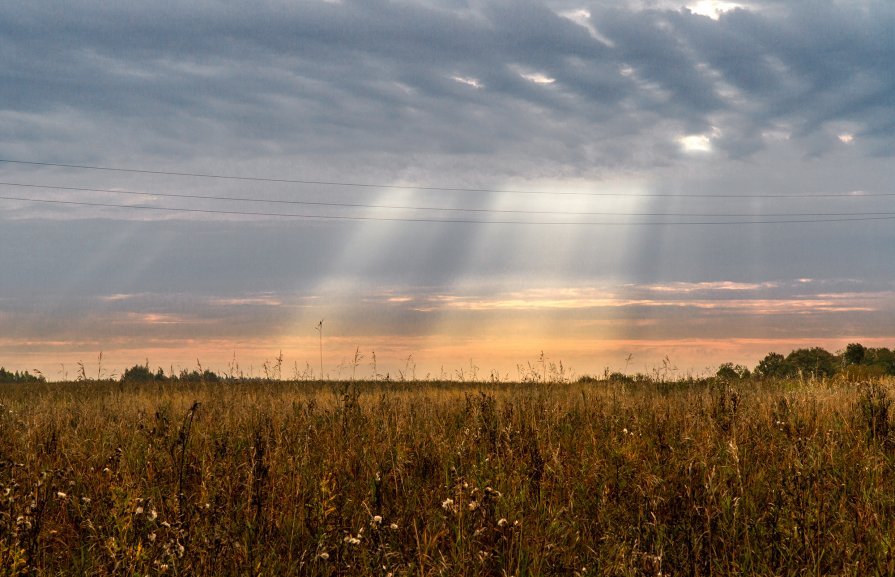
(646, 100)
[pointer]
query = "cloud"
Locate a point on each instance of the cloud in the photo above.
(755, 100)
(378, 79)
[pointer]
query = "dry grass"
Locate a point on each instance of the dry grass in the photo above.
(446, 479)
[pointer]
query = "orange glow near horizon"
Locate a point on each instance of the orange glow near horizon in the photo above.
(429, 357)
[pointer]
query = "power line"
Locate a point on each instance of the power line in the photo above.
(436, 188)
(443, 221)
(444, 209)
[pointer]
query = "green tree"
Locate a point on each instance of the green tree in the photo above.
(883, 358)
(854, 354)
(814, 362)
(17, 377)
(142, 374)
(732, 372)
(773, 366)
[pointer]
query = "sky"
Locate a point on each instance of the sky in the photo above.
(456, 188)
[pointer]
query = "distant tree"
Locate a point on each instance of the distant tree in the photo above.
(142, 374)
(773, 366)
(814, 362)
(17, 377)
(882, 357)
(854, 354)
(732, 372)
(195, 376)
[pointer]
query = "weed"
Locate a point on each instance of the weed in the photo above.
(873, 404)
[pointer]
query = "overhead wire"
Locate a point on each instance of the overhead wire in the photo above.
(372, 185)
(438, 220)
(769, 218)
(433, 208)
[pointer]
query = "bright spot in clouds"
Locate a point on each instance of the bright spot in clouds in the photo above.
(846, 138)
(537, 77)
(711, 8)
(696, 143)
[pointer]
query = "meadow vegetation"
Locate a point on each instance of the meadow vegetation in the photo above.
(717, 476)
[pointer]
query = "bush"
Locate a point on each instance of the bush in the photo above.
(142, 374)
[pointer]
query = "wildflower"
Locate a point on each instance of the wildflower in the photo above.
(502, 522)
(152, 515)
(393, 526)
(85, 500)
(351, 540)
(473, 505)
(448, 505)
(324, 555)
(139, 511)
(61, 495)
(152, 537)
(377, 519)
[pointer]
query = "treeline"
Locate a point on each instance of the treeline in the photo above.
(17, 377)
(856, 361)
(142, 374)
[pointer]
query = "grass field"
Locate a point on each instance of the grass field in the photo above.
(280, 478)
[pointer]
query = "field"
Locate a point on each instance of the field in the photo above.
(595, 478)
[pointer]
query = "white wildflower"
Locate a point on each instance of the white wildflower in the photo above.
(61, 495)
(393, 526)
(502, 522)
(324, 556)
(448, 505)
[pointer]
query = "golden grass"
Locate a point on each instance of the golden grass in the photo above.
(276, 478)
